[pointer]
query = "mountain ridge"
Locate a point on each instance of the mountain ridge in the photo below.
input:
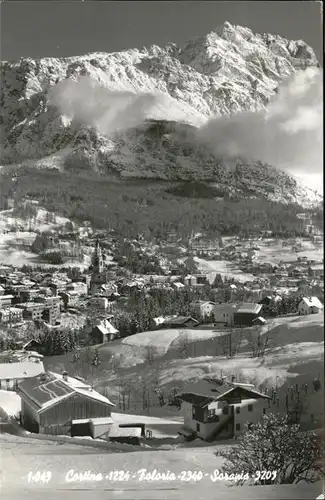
(107, 111)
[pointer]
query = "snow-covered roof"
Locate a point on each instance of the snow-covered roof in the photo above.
(106, 327)
(312, 302)
(25, 369)
(48, 390)
(73, 382)
(249, 308)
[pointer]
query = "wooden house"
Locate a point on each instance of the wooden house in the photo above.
(49, 405)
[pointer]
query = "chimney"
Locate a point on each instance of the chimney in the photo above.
(65, 376)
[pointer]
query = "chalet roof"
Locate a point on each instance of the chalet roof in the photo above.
(201, 302)
(312, 302)
(180, 320)
(21, 370)
(207, 390)
(47, 390)
(196, 399)
(249, 308)
(106, 327)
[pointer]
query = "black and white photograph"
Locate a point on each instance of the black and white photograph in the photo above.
(161, 250)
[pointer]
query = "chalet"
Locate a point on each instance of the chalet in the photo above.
(104, 332)
(247, 313)
(11, 374)
(202, 308)
(310, 305)
(50, 405)
(33, 345)
(215, 409)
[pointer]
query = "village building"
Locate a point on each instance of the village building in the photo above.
(316, 271)
(70, 299)
(177, 285)
(310, 305)
(11, 315)
(202, 308)
(180, 322)
(196, 280)
(267, 302)
(103, 332)
(5, 301)
(51, 405)
(224, 313)
(12, 373)
(247, 313)
(215, 409)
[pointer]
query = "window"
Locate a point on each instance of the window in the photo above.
(237, 427)
(263, 411)
(250, 407)
(225, 411)
(197, 427)
(211, 412)
(237, 409)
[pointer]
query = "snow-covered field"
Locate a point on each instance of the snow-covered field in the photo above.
(15, 244)
(10, 402)
(274, 252)
(21, 455)
(223, 267)
(161, 340)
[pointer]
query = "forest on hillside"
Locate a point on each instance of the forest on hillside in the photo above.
(133, 207)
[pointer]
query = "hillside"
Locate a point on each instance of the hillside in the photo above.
(149, 113)
(175, 358)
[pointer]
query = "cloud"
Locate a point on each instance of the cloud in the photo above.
(288, 135)
(94, 105)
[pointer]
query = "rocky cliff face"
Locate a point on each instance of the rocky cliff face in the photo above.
(135, 113)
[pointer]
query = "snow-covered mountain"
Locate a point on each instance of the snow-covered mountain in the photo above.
(137, 112)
